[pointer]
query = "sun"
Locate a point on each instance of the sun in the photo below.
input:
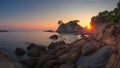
(89, 27)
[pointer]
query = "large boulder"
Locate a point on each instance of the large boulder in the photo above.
(31, 46)
(43, 59)
(28, 63)
(96, 60)
(113, 62)
(72, 55)
(35, 52)
(90, 47)
(20, 51)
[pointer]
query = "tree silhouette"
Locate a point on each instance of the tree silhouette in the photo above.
(118, 5)
(60, 22)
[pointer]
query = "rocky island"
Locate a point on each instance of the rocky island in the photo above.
(70, 27)
(3, 31)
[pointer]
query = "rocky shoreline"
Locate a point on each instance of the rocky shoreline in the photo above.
(99, 50)
(88, 52)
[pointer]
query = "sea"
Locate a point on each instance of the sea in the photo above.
(9, 41)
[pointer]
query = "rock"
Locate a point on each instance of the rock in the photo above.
(63, 51)
(118, 48)
(31, 46)
(35, 52)
(96, 60)
(72, 56)
(80, 42)
(75, 49)
(42, 48)
(113, 62)
(28, 63)
(54, 37)
(67, 65)
(49, 31)
(108, 35)
(52, 64)
(70, 27)
(3, 31)
(90, 47)
(43, 59)
(56, 44)
(20, 51)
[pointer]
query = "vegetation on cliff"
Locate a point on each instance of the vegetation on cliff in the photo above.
(107, 16)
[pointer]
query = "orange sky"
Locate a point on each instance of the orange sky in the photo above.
(44, 14)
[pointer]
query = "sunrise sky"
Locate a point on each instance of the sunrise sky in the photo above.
(44, 14)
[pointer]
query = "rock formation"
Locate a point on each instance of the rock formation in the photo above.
(70, 27)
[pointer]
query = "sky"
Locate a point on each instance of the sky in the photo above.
(44, 14)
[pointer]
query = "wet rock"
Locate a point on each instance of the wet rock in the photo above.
(35, 52)
(20, 51)
(54, 37)
(98, 59)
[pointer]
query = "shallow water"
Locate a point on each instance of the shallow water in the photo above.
(10, 40)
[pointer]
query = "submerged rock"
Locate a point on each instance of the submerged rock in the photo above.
(96, 60)
(20, 51)
(54, 37)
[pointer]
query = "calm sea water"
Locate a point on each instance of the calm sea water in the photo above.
(10, 40)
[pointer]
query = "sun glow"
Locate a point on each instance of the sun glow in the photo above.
(89, 27)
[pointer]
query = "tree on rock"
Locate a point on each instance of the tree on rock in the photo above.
(60, 22)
